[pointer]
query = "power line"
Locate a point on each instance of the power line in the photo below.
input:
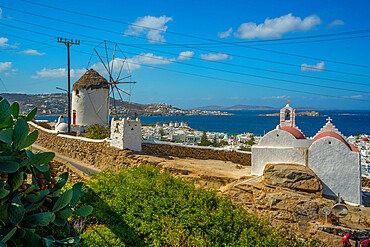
(201, 38)
(228, 71)
(180, 45)
(222, 79)
(218, 45)
(314, 77)
(219, 62)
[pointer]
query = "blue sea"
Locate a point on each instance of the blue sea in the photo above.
(349, 122)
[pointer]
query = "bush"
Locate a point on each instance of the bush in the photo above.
(30, 190)
(164, 210)
(97, 131)
(110, 236)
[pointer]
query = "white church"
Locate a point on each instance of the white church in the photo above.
(328, 154)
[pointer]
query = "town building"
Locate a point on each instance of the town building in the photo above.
(126, 134)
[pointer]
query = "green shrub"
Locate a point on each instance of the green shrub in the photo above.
(110, 236)
(30, 190)
(164, 210)
(97, 131)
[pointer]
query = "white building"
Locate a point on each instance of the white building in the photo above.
(126, 134)
(90, 104)
(334, 161)
(176, 124)
(172, 124)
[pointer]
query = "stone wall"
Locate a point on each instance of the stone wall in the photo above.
(198, 153)
(97, 154)
(102, 156)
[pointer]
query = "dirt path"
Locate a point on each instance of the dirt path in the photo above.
(82, 167)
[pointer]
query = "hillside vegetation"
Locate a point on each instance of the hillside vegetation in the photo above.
(157, 209)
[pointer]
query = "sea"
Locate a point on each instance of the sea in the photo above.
(349, 122)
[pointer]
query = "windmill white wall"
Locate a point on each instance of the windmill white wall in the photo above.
(126, 134)
(90, 103)
(86, 105)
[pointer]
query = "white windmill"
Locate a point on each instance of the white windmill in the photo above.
(91, 93)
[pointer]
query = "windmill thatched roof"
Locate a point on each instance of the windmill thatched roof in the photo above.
(90, 80)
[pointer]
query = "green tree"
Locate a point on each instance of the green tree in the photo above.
(251, 141)
(161, 132)
(97, 131)
(204, 141)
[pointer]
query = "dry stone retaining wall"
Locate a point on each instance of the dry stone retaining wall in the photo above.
(102, 156)
(198, 153)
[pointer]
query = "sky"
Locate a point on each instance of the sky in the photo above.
(193, 53)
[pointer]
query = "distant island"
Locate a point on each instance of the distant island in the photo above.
(304, 113)
(56, 104)
(248, 108)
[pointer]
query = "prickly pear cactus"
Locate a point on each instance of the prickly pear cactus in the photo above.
(30, 189)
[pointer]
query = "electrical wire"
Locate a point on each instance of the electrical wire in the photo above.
(187, 46)
(225, 79)
(197, 37)
(219, 62)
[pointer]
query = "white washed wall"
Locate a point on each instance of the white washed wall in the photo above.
(338, 168)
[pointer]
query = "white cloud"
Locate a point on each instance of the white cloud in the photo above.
(5, 66)
(336, 23)
(275, 28)
(185, 55)
(4, 42)
(315, 67)
(354, 96)
(58, 73)
(225, 34)
(132, 63)
(157, 23)
(215, 56)
(32, 52)
(280, 97)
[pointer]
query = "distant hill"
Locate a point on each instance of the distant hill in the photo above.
(56, 104)
(234, 108)
(248, 108)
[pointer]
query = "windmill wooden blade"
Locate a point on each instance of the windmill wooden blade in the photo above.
(120, 96)
(124, 78)
(103, 103)
(123, 62)
(106, 52)
(113, 57)
(123, 91)
(102, 62)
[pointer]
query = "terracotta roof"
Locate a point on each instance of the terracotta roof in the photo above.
(353, 148)
(296, 133)
(337, 136)
(90, 80)
(365, 140)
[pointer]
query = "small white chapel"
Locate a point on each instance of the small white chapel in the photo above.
(328, 154)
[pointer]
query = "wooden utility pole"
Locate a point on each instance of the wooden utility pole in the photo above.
(69, 43)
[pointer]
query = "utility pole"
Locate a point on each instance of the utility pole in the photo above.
(69, 43)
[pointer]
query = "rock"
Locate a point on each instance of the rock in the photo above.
(292, 176)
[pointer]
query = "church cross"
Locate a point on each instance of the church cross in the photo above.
(329, 119)
(288, 100)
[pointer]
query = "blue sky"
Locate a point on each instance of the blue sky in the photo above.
(224, 73)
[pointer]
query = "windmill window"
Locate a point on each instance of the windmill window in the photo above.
(277, 135)
(329, 142)
(77, 92)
